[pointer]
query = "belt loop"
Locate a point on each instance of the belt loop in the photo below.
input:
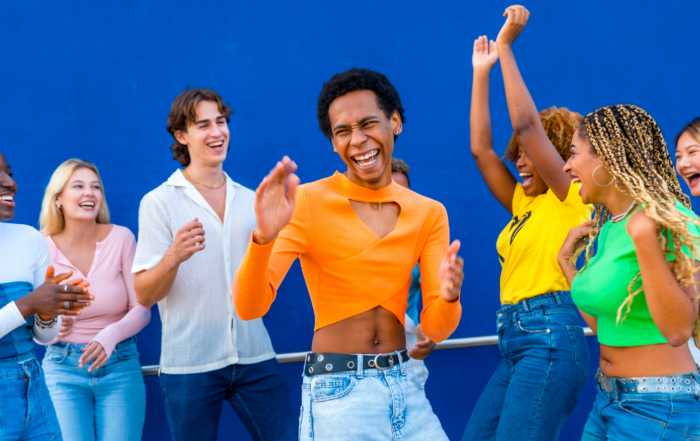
(306, 358)
(402, 365)
(526, 307)
(557, 298)
(360, 364)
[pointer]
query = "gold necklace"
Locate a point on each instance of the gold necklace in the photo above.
(203, 185)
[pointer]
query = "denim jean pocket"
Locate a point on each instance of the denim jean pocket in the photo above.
(647, 410)
(55, 355)
(582, 356)
(537, 324)
(332, 388)
(127, 352)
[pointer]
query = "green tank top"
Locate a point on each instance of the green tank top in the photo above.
(602, 287)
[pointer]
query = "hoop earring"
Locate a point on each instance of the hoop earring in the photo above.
(596, 182)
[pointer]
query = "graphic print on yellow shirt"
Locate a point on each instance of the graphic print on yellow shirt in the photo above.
(528, 246)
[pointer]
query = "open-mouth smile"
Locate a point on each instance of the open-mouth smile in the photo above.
(527, 178)
(368, 159)
(218, 145)
(692, 178)
(7, 199)
(87, 205)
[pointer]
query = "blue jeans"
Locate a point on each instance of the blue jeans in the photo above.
(258, 393)
(26, 411)
(371, 404)
(545, 366)
(107, 404)
(646, 408)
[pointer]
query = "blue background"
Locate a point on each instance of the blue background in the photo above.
(91, 81)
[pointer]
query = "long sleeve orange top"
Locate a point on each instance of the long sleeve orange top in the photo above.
(348, 269)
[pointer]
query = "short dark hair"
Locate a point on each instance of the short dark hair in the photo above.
(357, 79)
(400, 166)
(184, 112)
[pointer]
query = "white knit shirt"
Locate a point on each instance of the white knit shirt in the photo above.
(201, 330)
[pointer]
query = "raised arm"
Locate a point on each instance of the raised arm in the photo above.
(279, 238)
(523, 113)
(498, 178)
(674, 309)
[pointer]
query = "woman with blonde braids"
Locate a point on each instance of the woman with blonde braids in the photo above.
(688, 167)
(637, 292)
(545, 354)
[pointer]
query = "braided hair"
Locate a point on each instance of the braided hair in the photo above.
(630, 144)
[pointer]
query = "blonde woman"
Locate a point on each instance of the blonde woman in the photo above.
(93, 370)
(637, 292)
(688, 167)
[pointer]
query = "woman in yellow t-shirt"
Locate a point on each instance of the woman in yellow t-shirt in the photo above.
(546, 359)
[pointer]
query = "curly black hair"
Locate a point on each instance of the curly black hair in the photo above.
(357, 79)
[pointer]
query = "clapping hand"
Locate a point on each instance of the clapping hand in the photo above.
(274, 201)
(485, 53)
(517, 17)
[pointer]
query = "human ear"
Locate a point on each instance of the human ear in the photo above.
(396, 124)
(180, 137)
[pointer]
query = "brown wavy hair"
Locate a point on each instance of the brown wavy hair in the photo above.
(559, 124)
(183, 113)
(693, 127)
(633, 150)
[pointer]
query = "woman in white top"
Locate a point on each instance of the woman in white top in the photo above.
(30, 309)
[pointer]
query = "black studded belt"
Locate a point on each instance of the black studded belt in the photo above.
(328, 363)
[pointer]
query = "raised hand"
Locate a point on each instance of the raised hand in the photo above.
(52, 299)
(93, 351)
(188, 240)
(424, 345)
(517, 17)
(485, 53)
(575, 240)
(451, 273)
(274, 201)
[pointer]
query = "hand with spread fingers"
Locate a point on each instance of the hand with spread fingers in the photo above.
(274, 201)
(423, 347)
(485, 53)
(451, 273)
(52, 299)
(95, 353)
(517, 17)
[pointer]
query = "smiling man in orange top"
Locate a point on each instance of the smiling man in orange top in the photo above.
(358, 236)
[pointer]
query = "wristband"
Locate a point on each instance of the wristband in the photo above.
(44, 324)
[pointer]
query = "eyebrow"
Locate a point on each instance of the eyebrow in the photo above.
(206, 120)
(81, 181)
(363, 120)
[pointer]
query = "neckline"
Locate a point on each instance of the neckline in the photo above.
(346, 188)
(98, 247)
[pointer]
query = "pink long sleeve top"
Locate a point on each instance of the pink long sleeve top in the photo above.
(114, 314)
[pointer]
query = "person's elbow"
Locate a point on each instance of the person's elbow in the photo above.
(678, 337)
(143, 294)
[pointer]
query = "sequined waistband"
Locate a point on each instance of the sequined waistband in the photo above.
(673, 384)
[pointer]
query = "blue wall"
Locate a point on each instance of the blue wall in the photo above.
(85, 80)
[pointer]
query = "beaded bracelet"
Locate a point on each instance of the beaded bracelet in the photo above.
(44, 324)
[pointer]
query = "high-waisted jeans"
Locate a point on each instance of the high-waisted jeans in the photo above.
(645, 408)
(26, 411)
(536, 386)
(369, 404)
(107, 404)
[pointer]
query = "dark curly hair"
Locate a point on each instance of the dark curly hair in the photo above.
(559, 124)
(183, 112)
(357, 79)
(400, 166)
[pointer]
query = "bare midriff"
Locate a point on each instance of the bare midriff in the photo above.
(645, 361)
(376, 331)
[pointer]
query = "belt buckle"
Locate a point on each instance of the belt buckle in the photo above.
(391, 362)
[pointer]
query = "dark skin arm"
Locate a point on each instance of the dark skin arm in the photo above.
(673, 309)
(523, 112)
(498, 178)
(48, 299)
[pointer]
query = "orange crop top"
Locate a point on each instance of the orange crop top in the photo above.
(347, 268)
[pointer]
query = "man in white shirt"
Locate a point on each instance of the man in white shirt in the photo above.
(208, 354)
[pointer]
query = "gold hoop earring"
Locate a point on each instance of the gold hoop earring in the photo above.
(596, 182)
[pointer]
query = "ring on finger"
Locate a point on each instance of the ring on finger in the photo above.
(67, 304)
(65, 288)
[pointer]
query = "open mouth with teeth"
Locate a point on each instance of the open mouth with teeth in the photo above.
(527, 178)
(693, 179)
(87, 205)
(7, 199)
(367, 160)
(575, 179)
(218, 145)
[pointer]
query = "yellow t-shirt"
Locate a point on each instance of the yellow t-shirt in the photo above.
(528, 246)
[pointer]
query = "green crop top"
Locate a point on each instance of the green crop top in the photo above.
(602, 287)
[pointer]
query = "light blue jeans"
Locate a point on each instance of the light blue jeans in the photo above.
(369, 404)
(107, 404)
